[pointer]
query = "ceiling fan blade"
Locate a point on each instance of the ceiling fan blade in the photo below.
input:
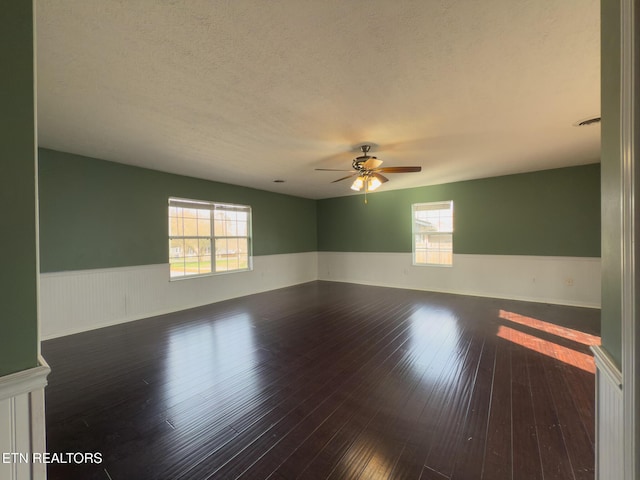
(372, 163)
(382, 178)
(399, 169)
(333, 170)
(344, 178)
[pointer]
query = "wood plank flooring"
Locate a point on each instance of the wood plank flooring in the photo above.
(330, 381)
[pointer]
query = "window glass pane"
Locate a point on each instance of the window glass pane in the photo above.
(191, 227)
(242, 229)
(220, 227)
(205, 263)
(230, 228)
(176, 248)
(190, 213)
(232, 246)
(440, 240)
(191, 247)
(176, 266)
(222, 254)
(175, 227)
(221, 247)
(204, 227)
(221, 264)
(204, 246)
(243, 245)
(191, 266)
(232, 262)
(243, 261)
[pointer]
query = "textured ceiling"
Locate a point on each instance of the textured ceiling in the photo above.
(248, 91)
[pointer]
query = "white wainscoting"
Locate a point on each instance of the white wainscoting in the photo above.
(609, 418)
(77, 301)
(22, 422)
(557, 280)
(72, 302)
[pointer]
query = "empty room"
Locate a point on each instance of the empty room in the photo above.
(280, 240)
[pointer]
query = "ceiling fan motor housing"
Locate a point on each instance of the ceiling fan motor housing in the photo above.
(357, 163)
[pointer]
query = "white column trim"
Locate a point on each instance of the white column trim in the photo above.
(630, 328)
(609, 451)
(25, 381)
(36, 167)
(606, 365)
(22, 416)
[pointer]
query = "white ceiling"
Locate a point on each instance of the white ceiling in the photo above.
(248, 91)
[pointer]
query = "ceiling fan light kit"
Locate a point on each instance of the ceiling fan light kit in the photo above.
(369, 172)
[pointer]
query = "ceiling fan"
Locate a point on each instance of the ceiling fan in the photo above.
(368, 171)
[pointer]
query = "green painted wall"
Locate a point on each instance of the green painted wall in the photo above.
(611, 324)
(18, 242)
(99, 214)
(552, 212)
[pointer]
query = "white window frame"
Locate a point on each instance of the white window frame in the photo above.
(415, 233)
(212, 237)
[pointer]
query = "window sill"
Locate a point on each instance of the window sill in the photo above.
(445, 265)
(204, 275)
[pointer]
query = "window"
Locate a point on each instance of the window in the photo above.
(201, 231)
(432, 233)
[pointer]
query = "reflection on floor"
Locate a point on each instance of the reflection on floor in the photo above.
(331, 380)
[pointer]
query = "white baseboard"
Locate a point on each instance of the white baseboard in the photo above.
(22, 423)
(77, 301)
(609, 418)
(556, 280)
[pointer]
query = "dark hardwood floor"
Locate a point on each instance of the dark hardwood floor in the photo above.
(330, 380)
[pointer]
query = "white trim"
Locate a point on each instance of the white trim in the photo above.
(25, 381)
(631, 397)
(607, 365)
(609, 463)
(37, 418)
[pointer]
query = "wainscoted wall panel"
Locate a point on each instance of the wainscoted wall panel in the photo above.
(14, 425)
(82, 300)
(609, 418)
(22, 423)
(557, 280)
